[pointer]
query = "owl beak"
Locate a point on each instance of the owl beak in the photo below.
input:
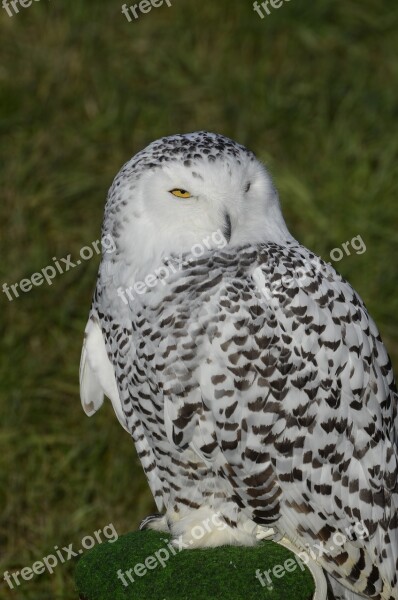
(227, 227)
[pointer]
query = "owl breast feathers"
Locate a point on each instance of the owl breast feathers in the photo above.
(249, 373)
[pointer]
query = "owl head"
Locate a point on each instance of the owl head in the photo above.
(182, 189)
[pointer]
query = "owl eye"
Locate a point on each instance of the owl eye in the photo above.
(180, 193)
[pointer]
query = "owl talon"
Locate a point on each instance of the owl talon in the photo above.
(268, 533)
(157, 522)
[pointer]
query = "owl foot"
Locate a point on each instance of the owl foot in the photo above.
(206, 528)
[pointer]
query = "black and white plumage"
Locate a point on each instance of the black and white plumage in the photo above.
(252, 379)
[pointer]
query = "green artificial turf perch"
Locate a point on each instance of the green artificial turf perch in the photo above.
(227, 572)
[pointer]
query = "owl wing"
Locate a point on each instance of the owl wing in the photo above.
(333, 445)
(97, 376)
(299, 414)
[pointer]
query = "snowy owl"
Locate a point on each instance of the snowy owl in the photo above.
(250, 375)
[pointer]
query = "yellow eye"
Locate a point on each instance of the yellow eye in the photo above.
(180, 193)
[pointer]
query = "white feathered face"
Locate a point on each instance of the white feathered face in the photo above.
(180, 202)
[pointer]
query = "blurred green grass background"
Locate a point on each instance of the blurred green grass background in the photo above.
(311, 88)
